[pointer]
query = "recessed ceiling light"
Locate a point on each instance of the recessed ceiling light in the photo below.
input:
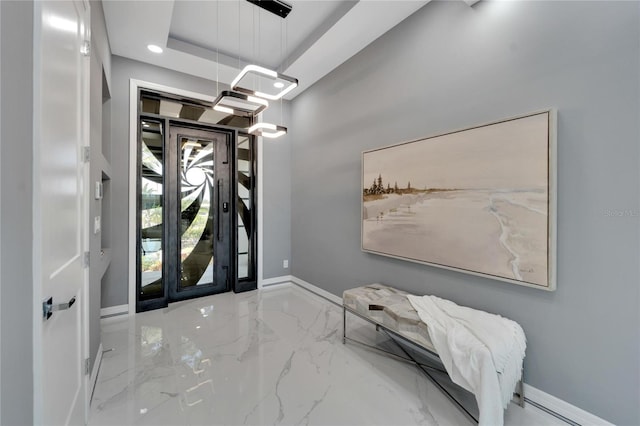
(154, 48)
(278, 85)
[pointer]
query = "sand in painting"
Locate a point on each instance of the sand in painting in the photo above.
(492, 232)
(477, 200)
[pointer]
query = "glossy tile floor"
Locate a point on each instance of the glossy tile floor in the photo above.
(266, 357)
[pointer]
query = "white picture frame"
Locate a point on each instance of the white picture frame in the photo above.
(483, 201)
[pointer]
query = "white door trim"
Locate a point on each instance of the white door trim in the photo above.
(134, 85)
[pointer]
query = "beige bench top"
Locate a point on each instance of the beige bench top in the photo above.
(389, 307)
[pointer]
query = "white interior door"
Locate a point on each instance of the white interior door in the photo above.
(60, 222)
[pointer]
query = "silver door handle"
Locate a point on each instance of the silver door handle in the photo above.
(48, 308)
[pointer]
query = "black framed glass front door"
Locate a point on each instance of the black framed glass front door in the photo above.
(196, 201)
(186, 220)
(203, 194)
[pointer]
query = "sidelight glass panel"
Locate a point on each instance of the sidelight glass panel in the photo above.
(197, 231)
(244, 207)
(151, 169)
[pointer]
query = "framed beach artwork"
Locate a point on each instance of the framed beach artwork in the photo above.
(480, 200)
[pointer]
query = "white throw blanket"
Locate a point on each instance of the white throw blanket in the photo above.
(482, 352)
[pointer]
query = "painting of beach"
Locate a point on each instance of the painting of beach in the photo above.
(477, 200)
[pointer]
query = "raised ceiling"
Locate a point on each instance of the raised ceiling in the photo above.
(314, 39)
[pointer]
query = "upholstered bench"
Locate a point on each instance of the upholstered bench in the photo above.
(388, 307)
(390, 311)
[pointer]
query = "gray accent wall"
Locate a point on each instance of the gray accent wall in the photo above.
(16, 111)
(276, 200)
(450, 66)
(276, 176)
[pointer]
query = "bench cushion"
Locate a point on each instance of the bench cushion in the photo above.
(390, 308)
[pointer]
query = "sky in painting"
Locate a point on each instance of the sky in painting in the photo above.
(509, 155)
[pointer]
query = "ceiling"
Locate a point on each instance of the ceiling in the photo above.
(214, 39)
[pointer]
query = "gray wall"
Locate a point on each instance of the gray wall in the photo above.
(16, 110)
(448, 67)
(276, 181)
(276, 166)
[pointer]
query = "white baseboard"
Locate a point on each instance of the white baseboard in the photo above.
(94, 372)
(317, 290)
(274, 286)
(270, 282)
(551, 405)
(560, 407)
(114, 310)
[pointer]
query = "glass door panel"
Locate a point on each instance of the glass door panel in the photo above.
(246, 247)
(151, 211)
(245, 207)
(197, 177)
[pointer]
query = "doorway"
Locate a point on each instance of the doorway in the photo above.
(195, 216)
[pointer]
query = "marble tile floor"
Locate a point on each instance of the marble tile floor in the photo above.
(266, 357)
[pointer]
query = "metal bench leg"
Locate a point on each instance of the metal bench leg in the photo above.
(344, 325)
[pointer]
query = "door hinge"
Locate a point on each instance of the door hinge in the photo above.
(86, 48)
(87, 259)
(86, 154)
(87, 361)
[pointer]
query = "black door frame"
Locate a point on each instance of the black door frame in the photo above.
(223, 192)
(170, 215)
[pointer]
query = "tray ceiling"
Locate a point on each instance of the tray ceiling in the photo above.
(314, 39)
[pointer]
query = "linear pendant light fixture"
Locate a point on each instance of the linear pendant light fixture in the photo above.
(272, 85)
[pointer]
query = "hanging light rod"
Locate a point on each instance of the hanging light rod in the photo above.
(276, 7)
(284, 83)
(267, 130)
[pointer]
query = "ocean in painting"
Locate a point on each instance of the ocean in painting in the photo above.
(497, 232)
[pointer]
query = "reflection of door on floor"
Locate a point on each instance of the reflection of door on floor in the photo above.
(185, 212)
